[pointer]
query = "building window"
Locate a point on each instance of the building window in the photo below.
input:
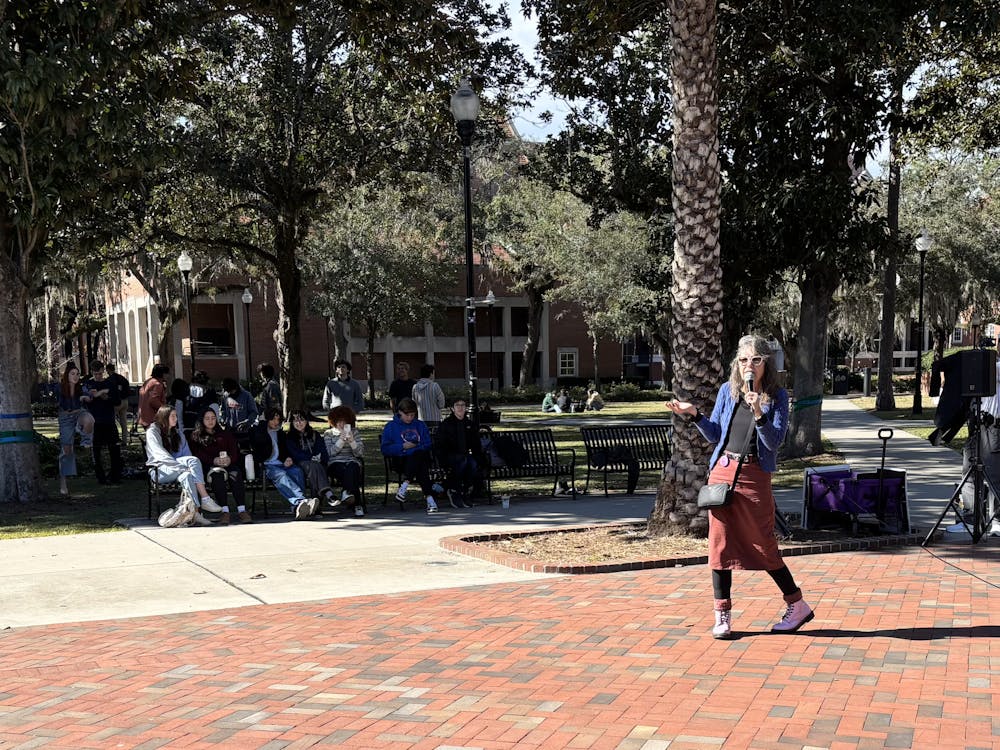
(567, 363)
(956, 336)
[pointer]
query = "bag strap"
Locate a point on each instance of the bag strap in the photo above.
(746, 447)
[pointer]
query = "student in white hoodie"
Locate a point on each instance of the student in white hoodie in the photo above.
(429, 397)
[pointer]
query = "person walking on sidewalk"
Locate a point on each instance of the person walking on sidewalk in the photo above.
(741, 534)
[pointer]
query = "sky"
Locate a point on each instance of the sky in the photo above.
(528, 122)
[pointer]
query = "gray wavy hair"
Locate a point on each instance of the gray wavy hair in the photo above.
(754, 346)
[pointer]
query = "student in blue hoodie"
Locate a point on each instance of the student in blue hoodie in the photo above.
(407, 442)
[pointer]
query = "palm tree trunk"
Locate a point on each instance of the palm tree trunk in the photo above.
(696, 288)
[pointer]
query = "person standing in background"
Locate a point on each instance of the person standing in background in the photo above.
(153, 395)
(102, 399)
(343, 390)
(402, 386)
(429, 397)
(124, 389)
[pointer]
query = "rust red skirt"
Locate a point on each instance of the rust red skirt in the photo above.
(741, 535)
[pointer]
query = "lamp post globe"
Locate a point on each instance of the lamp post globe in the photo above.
(465, 110)
(923, 244)
(184, 265)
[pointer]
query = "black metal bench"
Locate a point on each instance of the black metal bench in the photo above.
(612, 448)
(544, 459)
(262, 484)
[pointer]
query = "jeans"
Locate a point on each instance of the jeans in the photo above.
(68, 421)
(288, 480)
(463, 473)
(186, 471)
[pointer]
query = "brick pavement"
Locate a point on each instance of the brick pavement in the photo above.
(902, 654)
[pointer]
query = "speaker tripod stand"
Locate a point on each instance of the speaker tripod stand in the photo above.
(982, 486)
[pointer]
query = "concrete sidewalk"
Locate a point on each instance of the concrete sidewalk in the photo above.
(149, 570)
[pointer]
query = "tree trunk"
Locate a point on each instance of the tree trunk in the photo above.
(288, 298)
(536, 306)
(20, 470)
(597, 373)
(886, 400)
(370, 360)
(696, 286)
(662, 342)
(341, 341)
(804, 430)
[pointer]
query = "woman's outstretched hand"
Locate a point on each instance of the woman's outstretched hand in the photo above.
(681, 407)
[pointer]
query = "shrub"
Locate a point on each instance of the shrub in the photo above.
(627, 392)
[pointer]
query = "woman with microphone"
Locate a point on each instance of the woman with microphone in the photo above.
(741, 534)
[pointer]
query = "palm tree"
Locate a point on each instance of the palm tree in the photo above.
(696, 288)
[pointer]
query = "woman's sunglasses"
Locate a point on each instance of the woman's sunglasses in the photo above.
(755, 361)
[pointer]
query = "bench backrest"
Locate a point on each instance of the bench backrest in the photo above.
(540, 445)
(647, 443)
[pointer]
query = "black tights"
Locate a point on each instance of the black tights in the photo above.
(722, 582)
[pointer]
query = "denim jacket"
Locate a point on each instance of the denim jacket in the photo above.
(769, 435)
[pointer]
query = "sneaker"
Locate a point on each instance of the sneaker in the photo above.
(723, 629)
(796, 615)
(346, 499)
(224, 519)
(200, 520)
(305, 508)
(431, 505)
(401, 498)
(335, 501)
(359, 512)
(245, 517)
(207, 503)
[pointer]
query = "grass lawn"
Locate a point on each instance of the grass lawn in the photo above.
(93, 507)
(921, 426)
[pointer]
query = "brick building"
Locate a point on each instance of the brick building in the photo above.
(225, 329)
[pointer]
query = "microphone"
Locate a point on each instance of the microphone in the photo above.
(748, 377)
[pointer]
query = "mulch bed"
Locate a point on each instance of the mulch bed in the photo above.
(609, 548)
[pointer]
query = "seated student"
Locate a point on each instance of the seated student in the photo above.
(460, 452)
(239, 410)
(407, 442)
(308, 450)
(344, 446)
(562, 400)
(269, 446)
(594, 400)
(169, 460)
(549, 405)
(221, 463)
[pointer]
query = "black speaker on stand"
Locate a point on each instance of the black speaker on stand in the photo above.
(971, 374)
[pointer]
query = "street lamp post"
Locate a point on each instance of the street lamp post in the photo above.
(465, 110)
(923, 244)
(491, 300)
(247, 299)
(184, 265)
